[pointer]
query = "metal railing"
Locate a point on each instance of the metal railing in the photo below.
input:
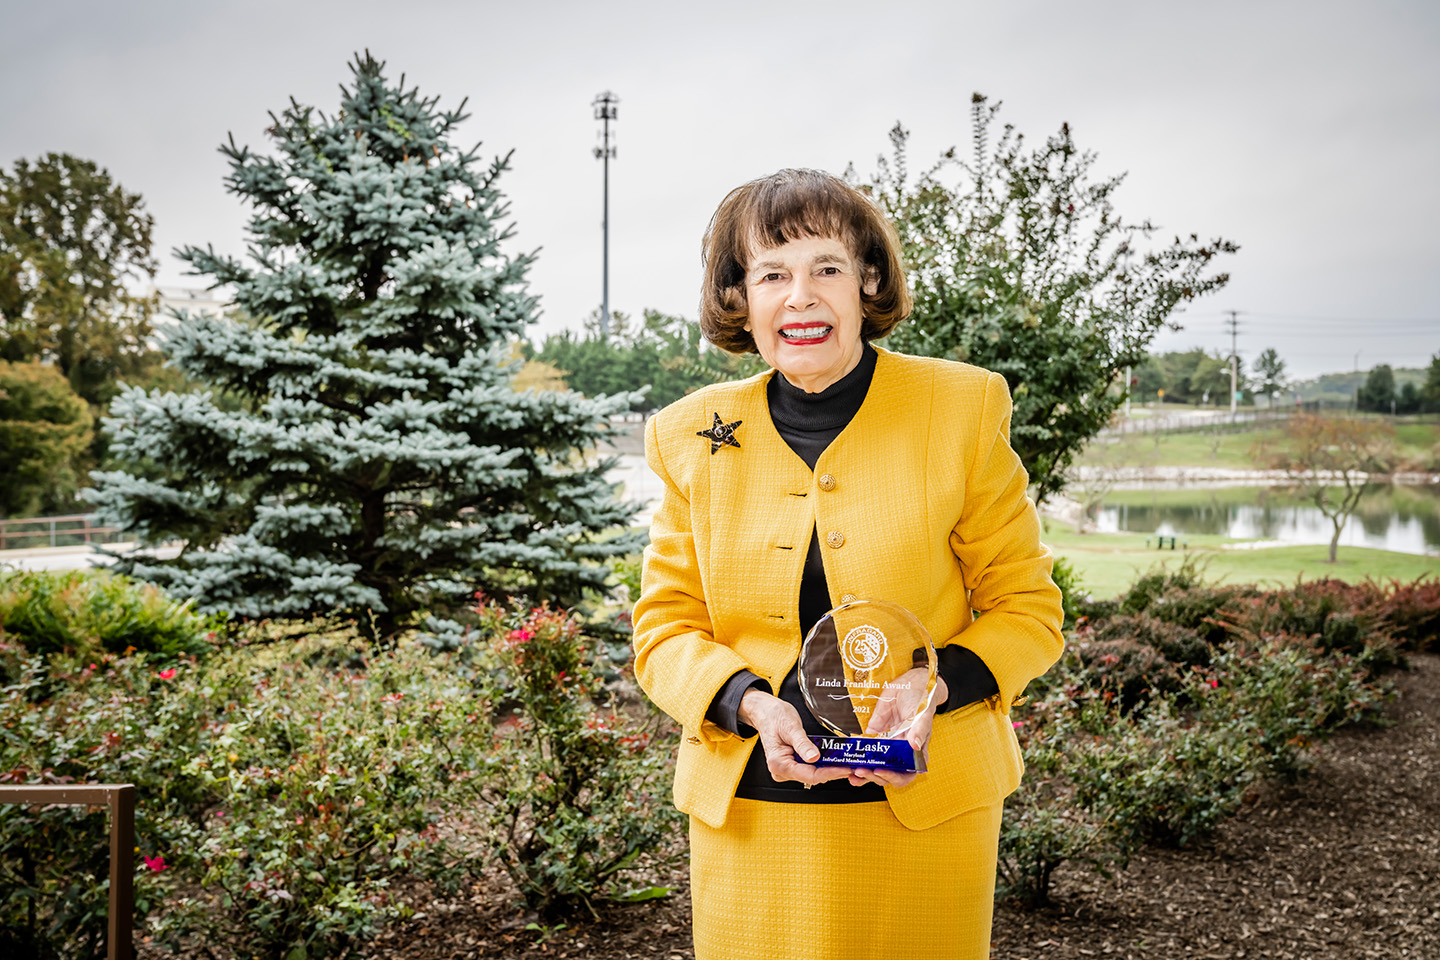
(120, 798)
(67, 531)
(1244, 421)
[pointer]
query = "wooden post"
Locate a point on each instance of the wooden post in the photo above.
(122, 873)
(120, 798)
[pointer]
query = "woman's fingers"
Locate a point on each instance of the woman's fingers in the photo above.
(783, 738)
(918, 736)
(886, 778)
(885, 716)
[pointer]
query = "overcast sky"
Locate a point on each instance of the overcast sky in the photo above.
(1308, 132)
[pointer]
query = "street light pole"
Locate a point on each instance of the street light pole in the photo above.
(607, 108)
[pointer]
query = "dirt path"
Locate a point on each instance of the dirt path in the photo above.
(1342, 866)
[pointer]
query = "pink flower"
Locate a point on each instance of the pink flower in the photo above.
(1214, 684)
(1017, 723)
(155, 863)
(166, 674)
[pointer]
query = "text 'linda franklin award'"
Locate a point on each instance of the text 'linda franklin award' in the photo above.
(868, 671)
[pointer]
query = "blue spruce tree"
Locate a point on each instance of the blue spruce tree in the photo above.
(361, 449)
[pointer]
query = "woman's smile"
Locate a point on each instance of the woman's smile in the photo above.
(805, 334)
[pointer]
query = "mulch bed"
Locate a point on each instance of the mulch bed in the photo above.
(1343, 865)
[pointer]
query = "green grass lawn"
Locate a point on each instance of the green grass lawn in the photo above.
(1228, 450)
(1414, 442)
(1109, 562)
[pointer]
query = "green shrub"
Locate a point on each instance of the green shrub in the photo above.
(325, 784)
(1093, 611)
(1128, 671)
(1340, 617)
(1412, 612)
(90, 613)
(1187, 575)
(1102, 779)
(1286, 693)
(284, 788)
(1072, 593)
(1199, 609)
(1044, 827)
(114, 722)
(1164, 777)
(1180, 645)
(577, 794)
(1131, 658)
(626, 570)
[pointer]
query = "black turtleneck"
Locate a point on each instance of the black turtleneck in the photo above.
(809, 423)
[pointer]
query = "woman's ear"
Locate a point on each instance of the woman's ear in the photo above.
(871, 284)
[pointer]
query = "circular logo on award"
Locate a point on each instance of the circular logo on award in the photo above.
(864, 647)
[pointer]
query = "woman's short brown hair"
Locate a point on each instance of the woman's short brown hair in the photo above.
(779, 208)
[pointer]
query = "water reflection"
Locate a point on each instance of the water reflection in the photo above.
(1405, 519)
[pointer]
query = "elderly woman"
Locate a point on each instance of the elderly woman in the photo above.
(843, 472)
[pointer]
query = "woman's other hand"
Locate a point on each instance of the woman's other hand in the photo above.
(783, 738)
(892, 713)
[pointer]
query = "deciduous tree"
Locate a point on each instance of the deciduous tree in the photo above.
(1430, 392)
(1378, 393)
(70, 240)
(1329, 461)
(1270, 370)
(1020, 263)
(45, 430)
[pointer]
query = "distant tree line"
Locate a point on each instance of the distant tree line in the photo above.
(1186, 376)
(660, 352)
(1198, 376)
(1381, 393)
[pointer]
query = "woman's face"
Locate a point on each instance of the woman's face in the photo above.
(805, 311)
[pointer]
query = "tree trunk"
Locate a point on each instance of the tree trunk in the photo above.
(380, 625)
(1337, 522)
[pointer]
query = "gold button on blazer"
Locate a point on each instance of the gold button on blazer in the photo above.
(930, 502)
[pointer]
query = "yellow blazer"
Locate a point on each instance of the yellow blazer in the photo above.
(920, 500)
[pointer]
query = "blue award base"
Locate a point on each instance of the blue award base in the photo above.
(872, 752)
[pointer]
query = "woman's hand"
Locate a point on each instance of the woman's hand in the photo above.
(892, 713)
(783, 738)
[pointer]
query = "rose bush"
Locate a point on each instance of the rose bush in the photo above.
(286, 787)
(577, 787)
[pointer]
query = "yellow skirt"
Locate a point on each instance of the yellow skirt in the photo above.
(792, 881)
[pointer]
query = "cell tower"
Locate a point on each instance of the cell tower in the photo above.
(607, 108)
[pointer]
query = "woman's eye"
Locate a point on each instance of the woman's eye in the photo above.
(770, 277)
(829, 271)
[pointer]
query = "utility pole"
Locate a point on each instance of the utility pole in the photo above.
(607, 108)
(1356, 401)
(1234, 324)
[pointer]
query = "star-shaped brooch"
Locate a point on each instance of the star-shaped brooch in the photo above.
(720, 434)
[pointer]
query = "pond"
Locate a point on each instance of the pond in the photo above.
(1403, 519)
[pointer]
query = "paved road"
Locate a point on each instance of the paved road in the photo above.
(635, 478)
(68, 558)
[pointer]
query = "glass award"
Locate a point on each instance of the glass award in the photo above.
(867, 670)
